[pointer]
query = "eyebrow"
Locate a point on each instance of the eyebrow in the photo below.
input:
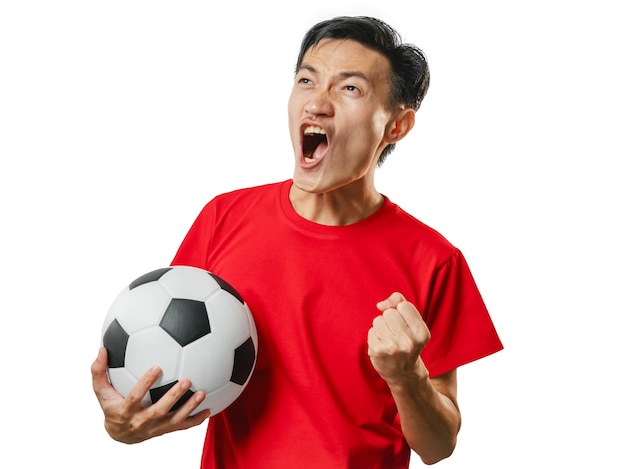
(343, 75)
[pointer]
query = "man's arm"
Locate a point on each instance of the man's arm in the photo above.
(428, 408)
(429, 415)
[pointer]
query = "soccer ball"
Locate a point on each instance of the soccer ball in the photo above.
(189, 322)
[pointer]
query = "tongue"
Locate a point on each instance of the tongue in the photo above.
(319, 151)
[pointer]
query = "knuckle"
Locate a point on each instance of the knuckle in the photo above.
(378, 320)
(389, 314)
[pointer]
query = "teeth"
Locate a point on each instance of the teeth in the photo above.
(312, 130)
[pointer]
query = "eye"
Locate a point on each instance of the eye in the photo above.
(352, 89)
(304, 81)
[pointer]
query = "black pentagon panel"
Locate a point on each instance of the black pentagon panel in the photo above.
(149, 277)
(158, 392)
(186, 320)
(227, 286)
(244, 362)
(115, 340)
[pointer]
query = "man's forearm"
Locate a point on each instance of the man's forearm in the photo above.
(429, 414)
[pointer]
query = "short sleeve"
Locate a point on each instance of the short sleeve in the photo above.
(195, 248)
(461, 328)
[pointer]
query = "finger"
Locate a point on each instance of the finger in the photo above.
(376, 346)
(403, 327)
(99, 366)
(395, 321)
(373, 343)
(412, 318)
(142, 386)
(395, 334)
(380, 329)
(391, 302)
(195, 419)
(100, 381)
(372, 339)
(165, 404)
(182, 414)
(409, 312)
(390, 333)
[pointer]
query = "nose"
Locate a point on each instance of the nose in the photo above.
(319, 104)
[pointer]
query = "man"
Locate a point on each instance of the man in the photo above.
(363, 312)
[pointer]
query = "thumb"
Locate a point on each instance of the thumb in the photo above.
(391, 302)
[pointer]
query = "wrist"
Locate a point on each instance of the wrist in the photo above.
(414, 380)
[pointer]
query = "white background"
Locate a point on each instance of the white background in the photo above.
(119, 120)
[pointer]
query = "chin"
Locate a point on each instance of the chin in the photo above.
(308, 183)
(303, 183)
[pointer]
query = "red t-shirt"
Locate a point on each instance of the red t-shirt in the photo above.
(315, 400)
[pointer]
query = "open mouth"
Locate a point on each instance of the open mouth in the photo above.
(314, 143)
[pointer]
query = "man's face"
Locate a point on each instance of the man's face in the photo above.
(338, 115)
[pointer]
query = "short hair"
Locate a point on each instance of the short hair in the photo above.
(410, 75)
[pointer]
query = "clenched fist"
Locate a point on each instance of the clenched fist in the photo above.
(396, 339)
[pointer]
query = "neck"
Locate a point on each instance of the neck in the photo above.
(335, 208)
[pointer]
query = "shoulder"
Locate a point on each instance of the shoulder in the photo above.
(242, 205)
(417, 235)
(243, 198)
(248, 193)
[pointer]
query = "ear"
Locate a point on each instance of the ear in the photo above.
(400, 126)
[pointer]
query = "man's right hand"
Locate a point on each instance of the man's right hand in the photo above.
(126, 420)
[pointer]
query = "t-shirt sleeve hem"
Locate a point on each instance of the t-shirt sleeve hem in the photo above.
(443, 366)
